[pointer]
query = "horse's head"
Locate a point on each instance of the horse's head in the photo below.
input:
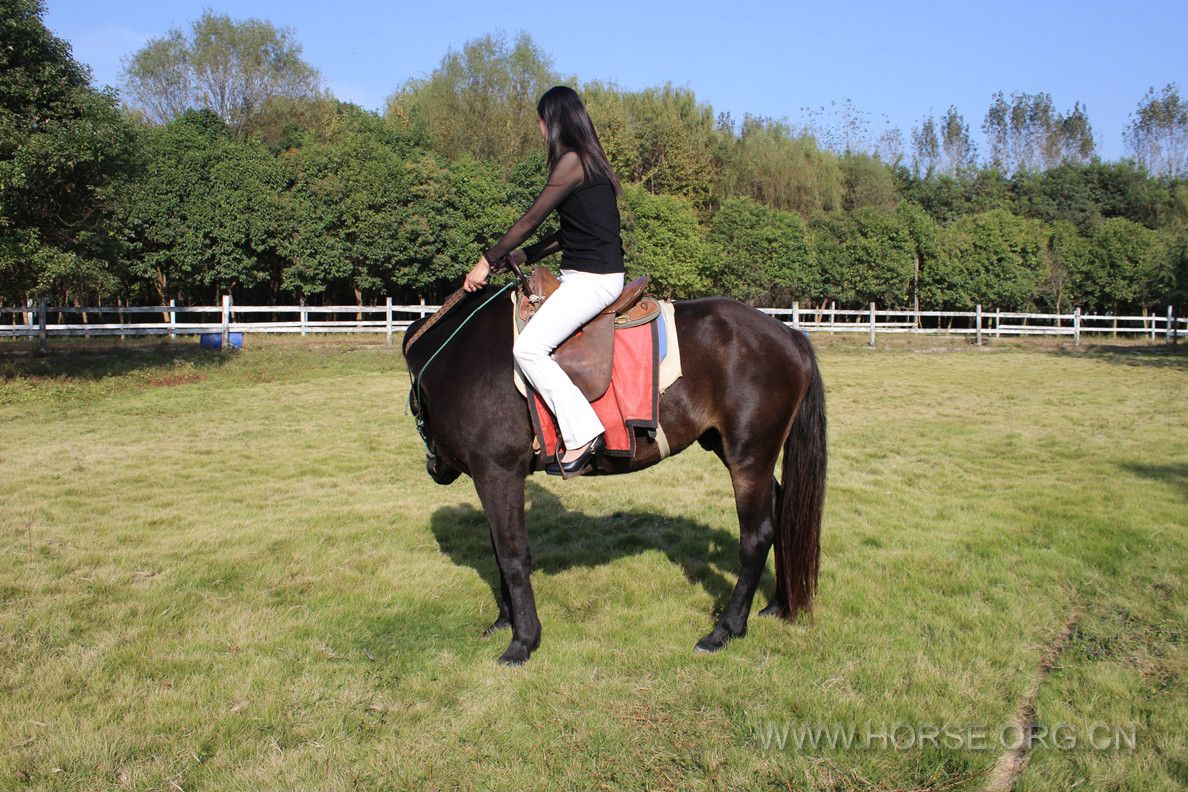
(437, 468)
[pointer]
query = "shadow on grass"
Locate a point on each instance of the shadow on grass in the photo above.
(98, 359)
(1160, 356)
(1174, 474)
(563, 539)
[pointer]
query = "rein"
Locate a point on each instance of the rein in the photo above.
(453, 299)
(419, 409)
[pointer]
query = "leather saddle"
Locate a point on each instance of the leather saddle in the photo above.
(587, 356)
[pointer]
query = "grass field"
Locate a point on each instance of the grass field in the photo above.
(231, 572)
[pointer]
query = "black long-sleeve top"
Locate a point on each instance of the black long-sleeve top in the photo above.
(589, 238)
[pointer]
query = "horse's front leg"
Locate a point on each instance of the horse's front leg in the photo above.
(503, 620)
(502, 494)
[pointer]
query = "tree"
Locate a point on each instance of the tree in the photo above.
(868, 183)
(1028, 134)
(864, 256)
(1074, 138)
(1067, 253)
(925, 148)
(996, 128)
(1125, 266)
(662, 238)
(765, 161)
(450, 212)
(1158, 132)
(617, 131)
(959, 150)
(1085, 195)
(208, 216)
(480, 101)
(675, 141)
(924, 233)
(64, 154)
(843, 128)
(993, 258)
(761, 252)
(159, 211)
(348, 195)
(231, 68)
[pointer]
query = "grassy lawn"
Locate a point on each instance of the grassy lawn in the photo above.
(231, 572)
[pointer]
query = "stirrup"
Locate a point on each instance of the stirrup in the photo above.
(578, 466)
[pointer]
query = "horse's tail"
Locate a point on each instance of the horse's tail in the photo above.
(803, 493)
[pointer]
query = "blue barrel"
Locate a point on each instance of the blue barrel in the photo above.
(215, 340)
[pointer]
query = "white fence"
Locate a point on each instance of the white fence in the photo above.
(34, 321)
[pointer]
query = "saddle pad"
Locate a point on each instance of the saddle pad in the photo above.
(631, 400)
(670, 349)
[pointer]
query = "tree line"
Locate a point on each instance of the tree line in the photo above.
(223, 166)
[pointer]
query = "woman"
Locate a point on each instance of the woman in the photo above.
(582, 187)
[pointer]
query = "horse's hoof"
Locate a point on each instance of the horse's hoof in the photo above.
(775, 609)
(516, 654)
(711, 643)
(718, 638)
(502, 623)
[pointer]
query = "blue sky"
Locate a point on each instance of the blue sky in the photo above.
(898, 60)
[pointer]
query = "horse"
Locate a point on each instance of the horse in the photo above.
(750, 387)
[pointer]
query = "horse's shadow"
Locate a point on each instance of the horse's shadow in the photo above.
(562, 539)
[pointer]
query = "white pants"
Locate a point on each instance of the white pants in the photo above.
(580, 297)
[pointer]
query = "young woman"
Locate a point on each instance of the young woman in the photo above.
(582, 187)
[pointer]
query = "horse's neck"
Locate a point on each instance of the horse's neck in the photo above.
(450, 318)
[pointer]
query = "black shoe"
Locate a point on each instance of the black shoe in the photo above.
(570, 469)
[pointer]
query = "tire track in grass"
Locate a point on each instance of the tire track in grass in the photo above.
(1010, 766)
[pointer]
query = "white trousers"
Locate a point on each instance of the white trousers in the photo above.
(579, 298)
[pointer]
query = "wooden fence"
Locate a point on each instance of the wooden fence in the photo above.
(34, 321)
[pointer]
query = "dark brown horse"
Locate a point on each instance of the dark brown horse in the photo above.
(749, 387)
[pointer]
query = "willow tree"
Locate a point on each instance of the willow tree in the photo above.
(479, 101)
(768, 162)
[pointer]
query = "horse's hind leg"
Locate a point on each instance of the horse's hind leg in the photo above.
(754, 497)
(502, 494)
(778, 606)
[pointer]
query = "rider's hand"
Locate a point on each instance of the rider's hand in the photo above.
(477, 276)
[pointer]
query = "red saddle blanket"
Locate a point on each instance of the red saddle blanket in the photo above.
(631, 401)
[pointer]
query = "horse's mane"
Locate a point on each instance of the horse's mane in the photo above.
(448, 321)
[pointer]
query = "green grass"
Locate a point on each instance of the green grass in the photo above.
(231, 572)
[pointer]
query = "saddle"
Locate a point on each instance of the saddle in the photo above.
(587, 356)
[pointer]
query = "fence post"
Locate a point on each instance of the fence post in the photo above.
(172, 318)
(795, 315)
(422, 306)
(388, 319)
(978, 330)
(1077, 326)
(1171, 327)
(997, 322)
(29, 314)
(832, 315)
(41, 323)
(302, 314)
(226, 321)
(872, 323)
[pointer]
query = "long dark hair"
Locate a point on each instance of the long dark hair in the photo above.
(569, 127)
